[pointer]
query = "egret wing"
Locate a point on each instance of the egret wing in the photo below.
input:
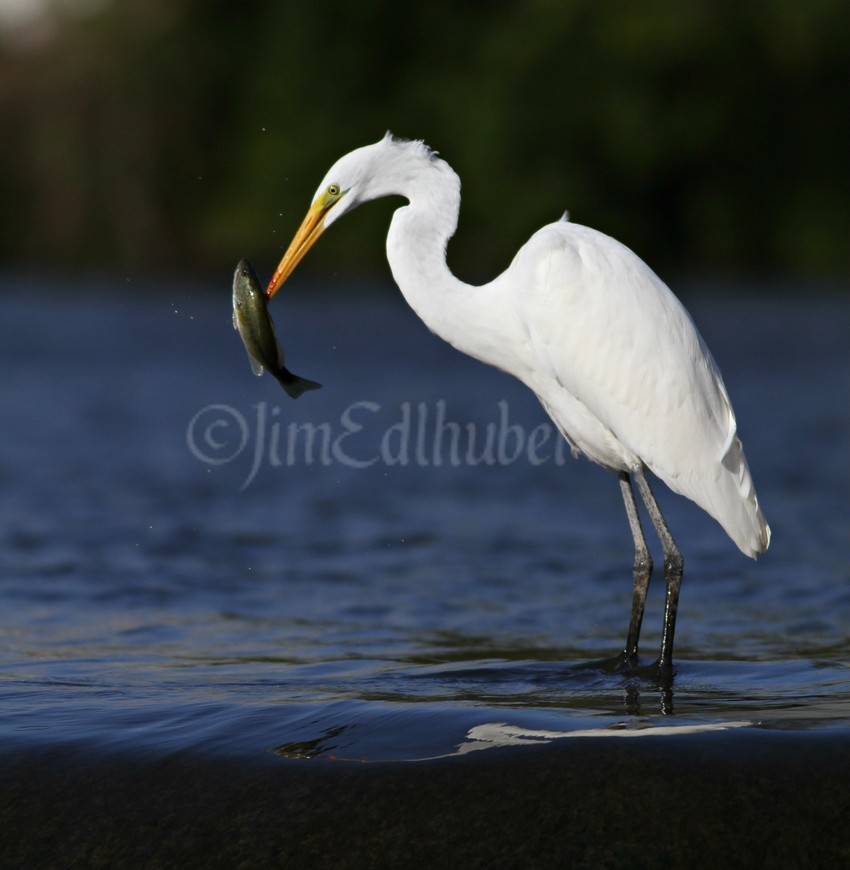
(626, 375)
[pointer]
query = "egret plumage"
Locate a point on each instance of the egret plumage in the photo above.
(610, 352)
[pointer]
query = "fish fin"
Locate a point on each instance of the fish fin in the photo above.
(295, 385)
(256, 368)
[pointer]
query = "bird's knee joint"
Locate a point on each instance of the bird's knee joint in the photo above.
(643, 564)
(674, 563)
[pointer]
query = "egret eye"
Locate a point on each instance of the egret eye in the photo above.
(333, 190)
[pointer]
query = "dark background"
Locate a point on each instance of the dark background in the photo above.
(161, 138)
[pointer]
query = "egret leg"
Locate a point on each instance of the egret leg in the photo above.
(642, 570)
(674, 569)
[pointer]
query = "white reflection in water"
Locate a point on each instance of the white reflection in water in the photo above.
(495, 735)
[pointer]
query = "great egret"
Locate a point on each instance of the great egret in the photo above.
(611, 353)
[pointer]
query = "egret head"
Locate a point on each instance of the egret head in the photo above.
(341, 190)
(367, 173)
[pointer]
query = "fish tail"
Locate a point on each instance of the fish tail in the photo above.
(295, 385)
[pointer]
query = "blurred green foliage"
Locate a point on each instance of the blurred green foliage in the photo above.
(153, 135)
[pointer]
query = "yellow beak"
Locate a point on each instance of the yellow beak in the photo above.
(311, 228)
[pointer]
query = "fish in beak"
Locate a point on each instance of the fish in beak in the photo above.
(252, 321)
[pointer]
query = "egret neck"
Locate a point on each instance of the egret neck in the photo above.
(416, 251)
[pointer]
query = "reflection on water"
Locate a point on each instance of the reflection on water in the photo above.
(320, 746)
(149, 599)
(501, 735)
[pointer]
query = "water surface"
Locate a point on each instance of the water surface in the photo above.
(183, 568)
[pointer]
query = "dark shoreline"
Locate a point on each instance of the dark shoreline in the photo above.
(759, 798)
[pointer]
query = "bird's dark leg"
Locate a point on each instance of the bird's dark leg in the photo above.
(642, 571)
(674, 568)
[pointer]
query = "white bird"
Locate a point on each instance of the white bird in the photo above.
(581, 320)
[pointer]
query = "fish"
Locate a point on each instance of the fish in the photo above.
(251, 319)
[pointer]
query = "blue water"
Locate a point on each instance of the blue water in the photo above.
(181, 569)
